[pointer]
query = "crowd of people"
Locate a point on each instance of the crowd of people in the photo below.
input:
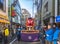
(51, 33)
(4, 35)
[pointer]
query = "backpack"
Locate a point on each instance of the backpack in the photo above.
(6, 32)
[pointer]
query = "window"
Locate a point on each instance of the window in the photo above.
(1, 4)
(58, 7)
(4, 5)
(46, 7)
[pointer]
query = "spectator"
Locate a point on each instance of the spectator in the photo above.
(56, 37)
(49, 34)
(18, 32)
(45, 28)
(42, 34)
(54, 27)
(6, 34)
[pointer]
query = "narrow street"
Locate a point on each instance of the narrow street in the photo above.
(29, 21)
(21, 42)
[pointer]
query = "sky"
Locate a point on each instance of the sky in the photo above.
(27, 4)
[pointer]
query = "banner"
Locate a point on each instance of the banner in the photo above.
(58, 19)
(13, 13)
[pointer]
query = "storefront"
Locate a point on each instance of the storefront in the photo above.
(3, 21)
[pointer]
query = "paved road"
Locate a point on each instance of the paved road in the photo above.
(20, 42)
(14, 41)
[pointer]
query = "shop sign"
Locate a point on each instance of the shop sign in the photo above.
(58, 19)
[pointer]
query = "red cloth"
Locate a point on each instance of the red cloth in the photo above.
(13, 13)
(30, 22)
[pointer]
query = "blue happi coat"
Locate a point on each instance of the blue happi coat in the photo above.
(49, 35)
(56, 34)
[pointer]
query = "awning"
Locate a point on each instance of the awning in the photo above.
(4, 21)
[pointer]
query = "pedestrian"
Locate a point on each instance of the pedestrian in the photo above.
(18, 32)
(54, 26)
(45, 27)
(49, 34)
(56, 37)
(6, 34)
(42, 34)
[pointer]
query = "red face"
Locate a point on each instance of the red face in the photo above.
(30, 22)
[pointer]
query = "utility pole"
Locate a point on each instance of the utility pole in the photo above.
(11, 20)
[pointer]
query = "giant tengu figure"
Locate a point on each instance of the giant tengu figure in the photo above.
(30, 22)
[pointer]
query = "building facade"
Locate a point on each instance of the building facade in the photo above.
(25, 15)
(57, 8)
(3, 14)
(15, 7)
(36, 19)
(48, 11)
(38, 4)
(53, 8)
(58, 1)
(14, 13)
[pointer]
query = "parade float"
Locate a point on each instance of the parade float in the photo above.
(30, 34)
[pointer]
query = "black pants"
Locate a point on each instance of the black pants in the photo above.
(18, 37)
(5, 40)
